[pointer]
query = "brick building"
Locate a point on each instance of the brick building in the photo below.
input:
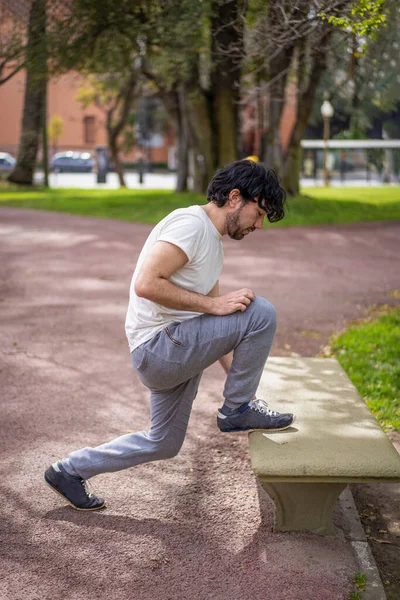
(83, 128)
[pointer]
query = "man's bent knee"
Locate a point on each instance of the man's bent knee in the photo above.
(167, 449)
(264, 310)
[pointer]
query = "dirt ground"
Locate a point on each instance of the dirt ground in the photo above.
(189, 527)
(379, 509)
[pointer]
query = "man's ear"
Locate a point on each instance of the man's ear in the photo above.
(234, 198)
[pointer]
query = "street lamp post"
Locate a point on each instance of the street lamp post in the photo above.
(327, 114)
(138, 136)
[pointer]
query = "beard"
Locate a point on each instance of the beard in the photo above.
(233, 228)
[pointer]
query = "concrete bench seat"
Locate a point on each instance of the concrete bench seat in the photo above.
(334, 441)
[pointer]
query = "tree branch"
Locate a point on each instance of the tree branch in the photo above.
(127, 96)
(13, 72)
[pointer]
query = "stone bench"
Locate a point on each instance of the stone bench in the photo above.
(334, 441)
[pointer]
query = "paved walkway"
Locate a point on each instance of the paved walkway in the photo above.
(185, 528)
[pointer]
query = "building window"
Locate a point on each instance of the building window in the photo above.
(89, 130)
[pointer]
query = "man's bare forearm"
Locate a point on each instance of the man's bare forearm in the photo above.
(161, 290)
(164, 292)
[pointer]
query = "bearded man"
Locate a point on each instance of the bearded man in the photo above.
(178, 323)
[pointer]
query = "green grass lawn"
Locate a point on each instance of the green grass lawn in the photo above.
(370, 354)
(314, 206)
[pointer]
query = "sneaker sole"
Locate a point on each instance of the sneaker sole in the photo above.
(250, 429)
(51, 486)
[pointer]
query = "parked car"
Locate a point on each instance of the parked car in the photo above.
(7, 162)
(72, 162)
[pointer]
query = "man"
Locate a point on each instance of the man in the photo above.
(178, 324)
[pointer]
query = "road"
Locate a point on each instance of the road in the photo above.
(182, 529)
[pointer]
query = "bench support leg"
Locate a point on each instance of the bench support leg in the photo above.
(301, 506)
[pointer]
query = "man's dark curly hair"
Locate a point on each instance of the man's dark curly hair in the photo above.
(251, 179)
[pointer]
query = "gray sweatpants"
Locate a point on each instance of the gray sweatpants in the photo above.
(171, 365)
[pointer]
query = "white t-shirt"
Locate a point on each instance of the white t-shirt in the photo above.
(192, 230)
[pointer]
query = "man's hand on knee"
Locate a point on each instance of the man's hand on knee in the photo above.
(232, 302)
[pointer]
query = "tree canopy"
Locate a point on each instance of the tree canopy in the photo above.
(209, 59)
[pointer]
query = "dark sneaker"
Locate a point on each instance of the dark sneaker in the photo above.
(73, 489)
(253, 415)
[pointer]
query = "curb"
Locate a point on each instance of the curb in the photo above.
(355, 534)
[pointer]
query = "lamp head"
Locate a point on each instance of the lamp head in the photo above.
(327, 109)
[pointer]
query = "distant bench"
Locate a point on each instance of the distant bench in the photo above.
(334, 441)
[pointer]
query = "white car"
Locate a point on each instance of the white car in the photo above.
(7, 162)
(72, 162)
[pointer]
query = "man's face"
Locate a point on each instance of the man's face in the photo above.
(244, 219)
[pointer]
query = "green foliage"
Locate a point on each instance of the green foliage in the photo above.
(354, 596)
(371, 92)
(86, 96)
(365, 19)
(179, 42)
(143, 206)
(320, 205)
(104, 37)
(55, 128)
(370, 354)
(342, 205)
(99, 37)
(360, 580)
(102, 91)
(173, 41)
(106, 92)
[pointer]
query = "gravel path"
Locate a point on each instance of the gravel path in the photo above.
(185, 528)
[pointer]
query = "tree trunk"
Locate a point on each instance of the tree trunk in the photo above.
(174, 103)
(122, 106)
(279, 63)
(260, 139)
(227, 47)
(197, 107)
(227, 125)
(272, 142)
(212, 115)
(305, 102)
(112, 144)
(35, 96)
(45, 144)
(182, 132)
(355, 101)
(278, 74)
(291, 179)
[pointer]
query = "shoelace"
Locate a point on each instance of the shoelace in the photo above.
(262, 407)
(85, 486)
